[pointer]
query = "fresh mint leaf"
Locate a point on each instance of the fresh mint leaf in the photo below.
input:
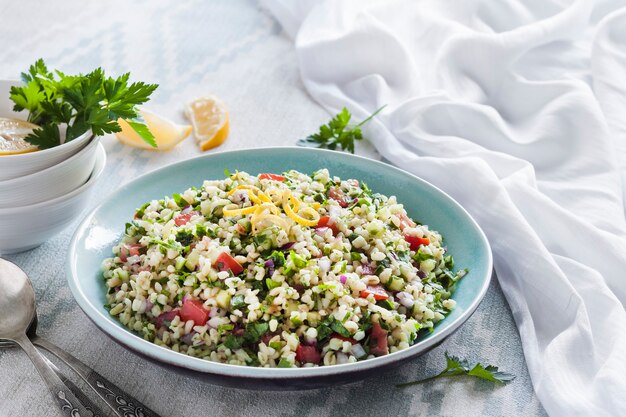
(457, 367)
(338, 132)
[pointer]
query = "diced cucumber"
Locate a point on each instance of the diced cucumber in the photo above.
(395, 283)
(223, 299)
(180, 263)
(192, 261)
(428, 265)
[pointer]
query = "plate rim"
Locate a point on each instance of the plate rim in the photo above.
(164, 355)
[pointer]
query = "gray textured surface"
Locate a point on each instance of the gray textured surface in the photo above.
(234, 50)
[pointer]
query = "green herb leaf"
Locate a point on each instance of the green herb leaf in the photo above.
(184, 237)
(284, 363)
(238, 302)
(278, 258)
(82, 102)
(234, 342)
(144, 133)
(254, 331)
(456, 367)
(179, 200)
(47, 136)
(338, 132)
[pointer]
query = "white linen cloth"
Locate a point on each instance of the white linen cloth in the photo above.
(518, 110)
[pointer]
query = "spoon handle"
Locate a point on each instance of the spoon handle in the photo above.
(89, 405)
(69, 404)
(119, 401)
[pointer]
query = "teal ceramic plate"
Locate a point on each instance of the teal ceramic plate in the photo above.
(104, 226)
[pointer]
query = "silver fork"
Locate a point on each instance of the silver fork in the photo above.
(120, 402)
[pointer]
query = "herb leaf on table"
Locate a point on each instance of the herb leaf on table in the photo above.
(338, 132)
(459, 367)
(82, 102)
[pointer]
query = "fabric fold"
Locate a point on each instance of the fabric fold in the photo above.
(517, 110)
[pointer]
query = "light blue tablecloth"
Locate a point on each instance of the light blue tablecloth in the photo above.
(236, 51)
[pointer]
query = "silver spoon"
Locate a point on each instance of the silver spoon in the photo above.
(119, 401)
(89, 405)
(17, 310)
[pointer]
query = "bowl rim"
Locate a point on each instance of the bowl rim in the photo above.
(81, 152)
(165, 355)
(44, 152)
(95, 174)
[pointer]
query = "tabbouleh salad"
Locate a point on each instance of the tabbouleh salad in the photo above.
(280, 271)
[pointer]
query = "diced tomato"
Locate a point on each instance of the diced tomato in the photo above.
(194, 310)
(240, 229)
(273, 177)
(377, 291)
(345, 339)
(326, 221)
(308, 354)
(354, 183)
(168, 316)
(226, 262)
(415, 242)
(129, 250)
(183, 219)
(338, 195)
(378, 340)
(405, 221)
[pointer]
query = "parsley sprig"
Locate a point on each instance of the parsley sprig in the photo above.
(457, 367)
(338, 132)
(82, 102)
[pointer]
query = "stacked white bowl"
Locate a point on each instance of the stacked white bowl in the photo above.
(42, 192)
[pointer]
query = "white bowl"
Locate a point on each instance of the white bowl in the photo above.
(52, 182)
(26, 227)
(14, 166)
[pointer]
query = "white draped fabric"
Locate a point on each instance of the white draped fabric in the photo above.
(518, 110)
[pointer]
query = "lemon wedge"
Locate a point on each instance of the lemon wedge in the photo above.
(167, 134)
(209, 118)
(12, 134)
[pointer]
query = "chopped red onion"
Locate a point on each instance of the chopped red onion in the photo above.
(367, 269)
(321, 231)
(287, 246)
(214, 322)
(405, 299)
(421, 273)
(187, 338)
(213, 312)
(343, 279)
(269, 264)
(186, 209)
(358, 351)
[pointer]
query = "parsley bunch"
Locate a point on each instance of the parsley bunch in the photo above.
(457, 367)
(338, 132)
(82, 102)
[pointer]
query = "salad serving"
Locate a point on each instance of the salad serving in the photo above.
(290, 270)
